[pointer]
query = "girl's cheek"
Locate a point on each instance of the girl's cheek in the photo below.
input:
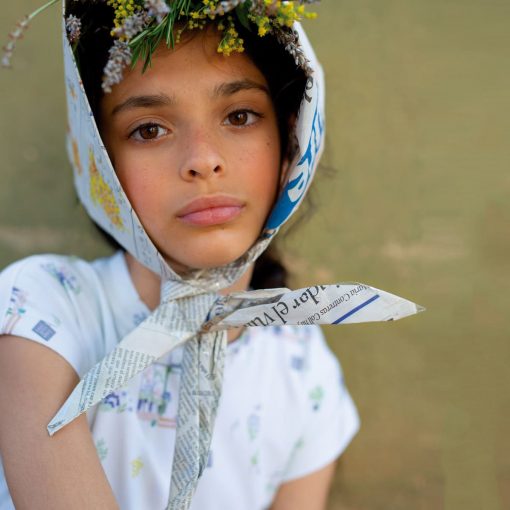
(145, 172)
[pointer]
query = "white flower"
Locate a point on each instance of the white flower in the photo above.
(73, 27)
(132, 25)
(119, 58)
(157, 9)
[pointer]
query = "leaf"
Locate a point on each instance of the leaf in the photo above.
(170, 33)
(135, 52)
(147, 55)
(242, 14)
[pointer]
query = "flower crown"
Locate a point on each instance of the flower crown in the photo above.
(139, 26)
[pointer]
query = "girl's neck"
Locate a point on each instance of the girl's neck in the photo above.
(148, 286)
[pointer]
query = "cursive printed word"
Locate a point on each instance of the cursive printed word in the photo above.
(309, 293)
(279, 310)
(358, 289)
(310, 320)
(343, 298)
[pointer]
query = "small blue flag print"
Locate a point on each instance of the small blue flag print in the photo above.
(44, 330)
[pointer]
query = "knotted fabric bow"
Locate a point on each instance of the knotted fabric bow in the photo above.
(191, 312)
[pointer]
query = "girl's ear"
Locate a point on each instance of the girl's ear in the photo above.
(284, 170)
(290, 151)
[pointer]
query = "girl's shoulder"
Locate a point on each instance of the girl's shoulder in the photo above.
(65, 303)
(42, 269)
(55, 280)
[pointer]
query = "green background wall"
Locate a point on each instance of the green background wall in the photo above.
(413, 198)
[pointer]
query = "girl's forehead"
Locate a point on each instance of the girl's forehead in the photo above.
(193, 66)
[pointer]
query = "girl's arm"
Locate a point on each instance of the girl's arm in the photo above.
(307, 493)
(44, 472)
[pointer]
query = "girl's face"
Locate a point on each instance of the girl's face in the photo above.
(195, 144)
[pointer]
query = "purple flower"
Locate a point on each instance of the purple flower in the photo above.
(119, 59)
(132, 26)
(157, 9)
(16, 34)
(73, 27)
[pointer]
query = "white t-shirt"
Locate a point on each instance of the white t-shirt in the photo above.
(284, 412)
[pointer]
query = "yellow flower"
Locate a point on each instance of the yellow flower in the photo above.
(123, 9)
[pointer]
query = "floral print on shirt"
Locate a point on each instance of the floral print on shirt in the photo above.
(64, 276)
(16, 309)
(152, 404)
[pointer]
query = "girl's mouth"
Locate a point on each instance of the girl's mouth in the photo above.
(212, 210)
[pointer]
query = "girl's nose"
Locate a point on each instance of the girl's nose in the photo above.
(201, 159)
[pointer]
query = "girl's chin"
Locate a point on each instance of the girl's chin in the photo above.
(208, 252)
(202, 261)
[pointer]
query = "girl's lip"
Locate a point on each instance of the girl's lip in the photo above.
(212, 210)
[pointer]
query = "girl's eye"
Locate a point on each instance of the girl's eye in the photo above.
(148, 132)
(242, 118)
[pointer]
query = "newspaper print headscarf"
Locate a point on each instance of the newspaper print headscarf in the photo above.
(191, 311)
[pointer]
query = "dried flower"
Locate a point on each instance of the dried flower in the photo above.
(123, 9)
(131, 26)
(119, 59)
(230, 41)
(222, 7)
(157, 9)
(73, 27)
(14, 36)
(140, 25)
(17, 33)
(289, 38)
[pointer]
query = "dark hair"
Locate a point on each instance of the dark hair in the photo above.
(286, 83)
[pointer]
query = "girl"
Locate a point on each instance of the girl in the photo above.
(211, 115)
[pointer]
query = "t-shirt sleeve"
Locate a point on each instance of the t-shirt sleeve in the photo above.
(42, 299)
(331, 418)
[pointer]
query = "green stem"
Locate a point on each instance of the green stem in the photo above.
(42, 8)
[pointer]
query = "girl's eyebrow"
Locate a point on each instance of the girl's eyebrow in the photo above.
(147, 101)
(229, 88)
(224, 89)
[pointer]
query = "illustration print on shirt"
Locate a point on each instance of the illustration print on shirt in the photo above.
(154, 403)
(298, 445)
(240, 343)
(316, 396)
(44, 330)
(64, 276)
(274, 481)
(136, 467)
(139, 317)
(253, 430)
(117, 401)
(102, 449)
(16, 309)
(300, 338)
